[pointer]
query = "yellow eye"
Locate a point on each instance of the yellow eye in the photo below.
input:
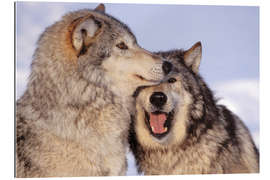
(172, 80)
(122, 46)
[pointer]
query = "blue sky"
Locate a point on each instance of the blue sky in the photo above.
(229, 36)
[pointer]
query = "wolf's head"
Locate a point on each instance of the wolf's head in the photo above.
(98, 49)
(163, 110)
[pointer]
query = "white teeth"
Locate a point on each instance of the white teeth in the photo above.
(165, 129)
(153, 129)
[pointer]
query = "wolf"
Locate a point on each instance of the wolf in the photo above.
(179, 128)
(74, 117)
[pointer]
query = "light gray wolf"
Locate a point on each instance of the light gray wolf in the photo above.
(74, 117)
(179, 128)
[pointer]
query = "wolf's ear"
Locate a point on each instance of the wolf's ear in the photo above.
(100, 8)
(192, 57)
(84, 32)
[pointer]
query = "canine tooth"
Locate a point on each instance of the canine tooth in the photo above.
(153, 129)
(165, 129)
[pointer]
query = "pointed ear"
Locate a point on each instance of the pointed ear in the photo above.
(100, 8)
(84, 32)
(192, 57)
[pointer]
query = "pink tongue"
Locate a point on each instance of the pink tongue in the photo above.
(157, 122)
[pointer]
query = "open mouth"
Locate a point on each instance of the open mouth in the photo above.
(159, 123)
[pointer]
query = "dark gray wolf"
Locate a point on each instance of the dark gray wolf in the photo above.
(73, 119)
(179, 128)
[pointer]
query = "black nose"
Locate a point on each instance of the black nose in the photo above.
(167, 67)
(158, 99)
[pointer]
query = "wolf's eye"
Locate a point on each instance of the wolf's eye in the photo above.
(172, 80)
(122, 46)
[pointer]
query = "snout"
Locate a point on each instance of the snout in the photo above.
(150, 68)
(167, 67)
(158, 119)
(158, 99)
